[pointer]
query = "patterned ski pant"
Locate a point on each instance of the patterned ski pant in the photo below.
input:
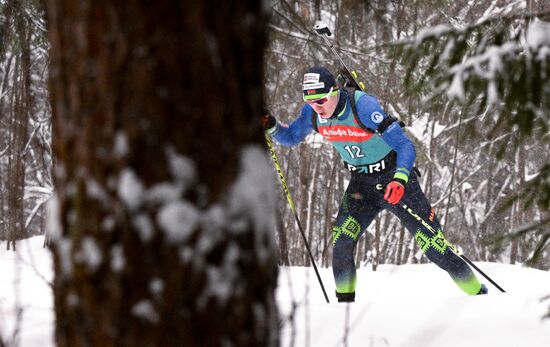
(360, 205)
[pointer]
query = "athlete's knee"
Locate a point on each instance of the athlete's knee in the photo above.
(346, 233)
(343, 262)
(343, 245)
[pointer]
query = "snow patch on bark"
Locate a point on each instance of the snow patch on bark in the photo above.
(118, 261)
(163, 192)
(177, 220)
(130, 189)
(146, 311)
(223, 281)
(121, 144)
(249, 206)
(186, 254)
(95, 191)
(108, 224)
(252, 196)
(182, 168)
(156, 286)
(144, 226)
(89, 254)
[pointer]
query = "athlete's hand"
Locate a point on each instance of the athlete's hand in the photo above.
(394, 192)
(268, 122)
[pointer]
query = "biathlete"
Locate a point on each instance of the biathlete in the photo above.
(380, 157)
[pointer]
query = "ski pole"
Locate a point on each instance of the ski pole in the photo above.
(322, 30)
(453, 248)
(293, 209)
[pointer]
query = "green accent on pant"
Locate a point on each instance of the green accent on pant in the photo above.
(437, 242)
(347, 287)
(336, 232)
(423, 240)
(350, 227)
(470, 286)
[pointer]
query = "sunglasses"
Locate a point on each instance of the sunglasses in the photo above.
(321, 101)
(324, 99)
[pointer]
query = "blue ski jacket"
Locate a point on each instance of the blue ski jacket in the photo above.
(362, 151)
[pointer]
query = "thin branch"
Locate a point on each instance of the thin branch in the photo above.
(312, 39)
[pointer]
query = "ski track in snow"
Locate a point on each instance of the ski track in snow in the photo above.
(406, 306)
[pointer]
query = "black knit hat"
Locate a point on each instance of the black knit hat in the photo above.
(317, 83)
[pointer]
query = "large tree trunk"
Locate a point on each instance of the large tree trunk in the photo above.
(161, 238)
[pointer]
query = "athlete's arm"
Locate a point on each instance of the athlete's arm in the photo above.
(290, 135)
(372, 115)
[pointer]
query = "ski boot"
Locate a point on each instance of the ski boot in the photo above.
(483, 290)
(345, 297)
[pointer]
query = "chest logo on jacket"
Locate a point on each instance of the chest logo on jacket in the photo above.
(344, 133)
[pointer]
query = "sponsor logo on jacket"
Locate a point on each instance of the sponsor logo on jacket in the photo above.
(344, 133)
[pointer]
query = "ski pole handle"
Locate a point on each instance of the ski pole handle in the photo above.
(322, 29)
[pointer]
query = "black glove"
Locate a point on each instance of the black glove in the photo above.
(268, 122)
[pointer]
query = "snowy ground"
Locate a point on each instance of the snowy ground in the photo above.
(26, 295)
(417, 306)
(409, 306)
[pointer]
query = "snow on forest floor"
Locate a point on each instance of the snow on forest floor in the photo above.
(408, 305)
(416, 306)
(26, 301)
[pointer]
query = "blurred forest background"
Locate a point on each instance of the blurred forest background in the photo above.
(25, 121)
(469, 78)
(473, 90)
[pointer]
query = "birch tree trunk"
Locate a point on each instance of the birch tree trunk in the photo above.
(162, 237)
